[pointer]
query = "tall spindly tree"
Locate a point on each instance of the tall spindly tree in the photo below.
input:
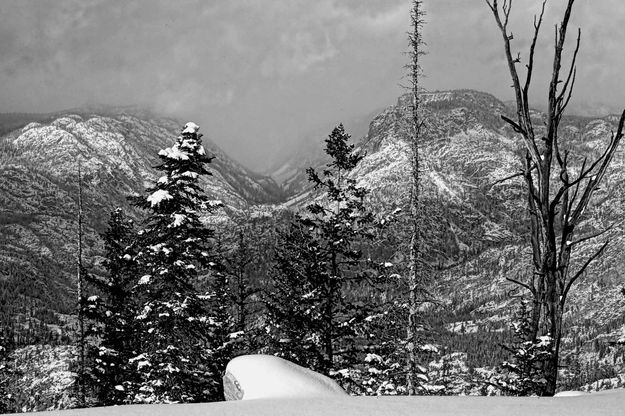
(557, 194)
(416, 376)
(6, 374)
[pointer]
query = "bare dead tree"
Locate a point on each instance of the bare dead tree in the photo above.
(556, 197)
(417, 281)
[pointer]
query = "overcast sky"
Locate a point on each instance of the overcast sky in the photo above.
(258, 75)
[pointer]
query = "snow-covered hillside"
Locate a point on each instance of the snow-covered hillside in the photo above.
(480, 220)
(117, 150)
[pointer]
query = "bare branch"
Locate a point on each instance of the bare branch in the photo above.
(525, 285)
(507, 178)
(570, 94)
(524, 122)
(560, 35)
(596, 178)
(581, 271)
(567, 88)
(515, 126)
(595, 235)
(530, 65)
(583, 175)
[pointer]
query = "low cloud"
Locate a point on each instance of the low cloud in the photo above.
(298, 53)
(260, 74)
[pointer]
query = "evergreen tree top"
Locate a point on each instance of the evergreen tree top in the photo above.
(342, 153)
(190, 127)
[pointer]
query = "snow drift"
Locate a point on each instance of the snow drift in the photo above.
(267, 377)
(607, 403)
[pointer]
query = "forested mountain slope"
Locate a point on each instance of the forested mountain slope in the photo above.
(477, 233)
(117, 150)
(477, 228)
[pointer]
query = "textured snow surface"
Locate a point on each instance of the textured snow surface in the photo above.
(174, 153)
(607, 403)
(191, 127)
(266, 376)
(158, 197)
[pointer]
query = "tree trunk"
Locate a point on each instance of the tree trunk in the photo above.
(554, 212)
(416, 279)
(79, 279)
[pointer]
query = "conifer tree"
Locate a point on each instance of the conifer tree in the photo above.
(245, 261)
(248, 246)
(6, 373)
(111, 312)
(310, 312)
(181, 329)
(523, 376)
(294, 302)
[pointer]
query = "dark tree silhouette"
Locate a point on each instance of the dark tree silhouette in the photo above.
(557, 197)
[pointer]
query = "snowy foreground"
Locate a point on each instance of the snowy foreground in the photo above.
(604, 403)
(264, 385)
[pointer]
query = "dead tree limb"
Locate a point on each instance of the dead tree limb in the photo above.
(556, 202)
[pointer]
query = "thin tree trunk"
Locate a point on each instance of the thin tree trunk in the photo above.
(81, 318)
(416, 280)
(554, 212)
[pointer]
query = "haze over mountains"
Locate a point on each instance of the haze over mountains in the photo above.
(479, 233)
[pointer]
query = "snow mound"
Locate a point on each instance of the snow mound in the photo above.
(570, 393)
(265, 376)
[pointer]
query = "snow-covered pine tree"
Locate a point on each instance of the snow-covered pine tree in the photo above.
(248, 245)
(6, 374)
(181, 328)
(110, 310)
(523, 376)
(310, 312)
(294, 314)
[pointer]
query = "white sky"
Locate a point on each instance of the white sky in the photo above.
(258, 75)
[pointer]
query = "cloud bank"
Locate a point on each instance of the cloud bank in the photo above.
(259, 75)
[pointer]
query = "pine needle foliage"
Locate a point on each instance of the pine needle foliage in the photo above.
(182, 325)
(311, 318)
(110, 314)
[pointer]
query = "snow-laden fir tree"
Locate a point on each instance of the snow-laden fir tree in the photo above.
(110, 311)
(181, 325)
(294, 301)
(523, 376)
(313, 318)
(6, 374)
(247, 243)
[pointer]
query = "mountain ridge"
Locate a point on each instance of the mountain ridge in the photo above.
(479, 235)
(39, 200)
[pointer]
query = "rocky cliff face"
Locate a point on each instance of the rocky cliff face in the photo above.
(467, 153)
(480, 232)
